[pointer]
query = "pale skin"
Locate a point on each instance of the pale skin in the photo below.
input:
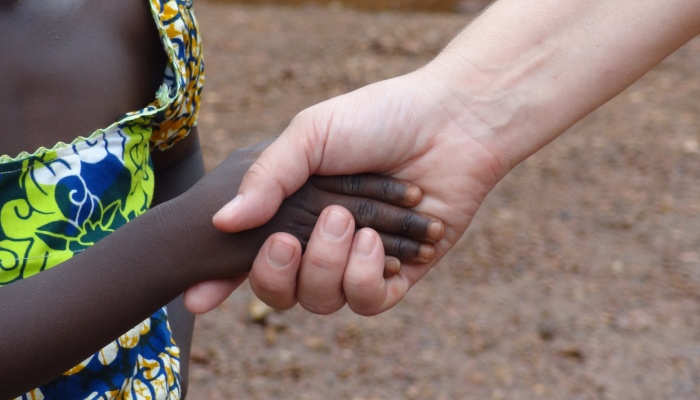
(516, 78)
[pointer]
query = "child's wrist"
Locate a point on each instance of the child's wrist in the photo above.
(200, 252)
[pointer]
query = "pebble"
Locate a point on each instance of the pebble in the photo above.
(573, 353)
(690, 257)
(270, 335)
(618, 267)
(637, 320)
(316, 343)
(258, 311)
(691, 146)
(200, 356)
(546, 329)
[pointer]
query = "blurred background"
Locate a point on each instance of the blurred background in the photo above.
(579, 279)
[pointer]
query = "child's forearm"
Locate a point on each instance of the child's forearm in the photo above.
(56, 319)
(523, 71)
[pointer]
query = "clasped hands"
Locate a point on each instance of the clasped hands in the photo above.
(402, 128)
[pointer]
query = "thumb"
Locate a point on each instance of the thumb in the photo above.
(279, 171)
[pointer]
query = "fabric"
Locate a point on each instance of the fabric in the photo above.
(57, 202)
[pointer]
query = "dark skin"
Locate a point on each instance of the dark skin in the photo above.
(77, 67)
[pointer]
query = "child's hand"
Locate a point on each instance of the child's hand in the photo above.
(377, 202)
(406, 235)
(316, 214)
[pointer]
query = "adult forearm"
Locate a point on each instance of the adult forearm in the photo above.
(523, 72)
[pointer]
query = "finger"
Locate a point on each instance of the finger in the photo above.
(323, 264)
(366, 290)
(273, 277)
(407, 250)
(382, 188)
(281, 170)
(205, 296)
(392, 266)
(391, 219)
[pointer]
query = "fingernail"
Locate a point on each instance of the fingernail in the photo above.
(392, 266)
(336, 224)
(229, 208)
(436, 230)
(280, 253)
(365, 243)
(413, 195)
(426, 252)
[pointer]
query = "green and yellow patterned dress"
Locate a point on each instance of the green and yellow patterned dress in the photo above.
(57, 202)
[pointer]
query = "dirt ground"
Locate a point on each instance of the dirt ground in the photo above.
(579, 279)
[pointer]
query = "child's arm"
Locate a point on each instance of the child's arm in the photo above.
(175, 171)
(57, 318)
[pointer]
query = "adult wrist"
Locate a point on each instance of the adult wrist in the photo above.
(503, 100)
(473, 104)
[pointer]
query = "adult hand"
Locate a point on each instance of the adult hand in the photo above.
(514, 80)
(403, 127)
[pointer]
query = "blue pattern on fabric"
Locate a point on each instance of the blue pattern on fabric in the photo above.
(59, 201)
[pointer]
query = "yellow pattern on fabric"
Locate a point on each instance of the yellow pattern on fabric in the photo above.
(59, 201)
(179, 31)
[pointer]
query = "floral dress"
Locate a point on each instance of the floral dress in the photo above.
(59, 201)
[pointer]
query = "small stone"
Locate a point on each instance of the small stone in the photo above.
(412, 392)
(690, 257)
(573, 353)
(635, 321)
(504, 375)
(505, 214)
(316, 343)
(199, 356)
(618, 267)
(539, 389)
(270, 335)
(477, 378)
(285, 355)
(691, 146)
(546, 330)
(344, 374)
(258, 311)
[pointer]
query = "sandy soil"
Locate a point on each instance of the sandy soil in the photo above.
(580, 278)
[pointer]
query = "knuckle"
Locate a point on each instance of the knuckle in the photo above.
(317, 121)
(408, 222)
(330, 261)
(366, 212)
(407, 249)
(351, 184)
(396, 246)
(400, 248)
(388, 189)
(257, 168)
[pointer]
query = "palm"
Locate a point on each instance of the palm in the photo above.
(428, 147)
(403, 127)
